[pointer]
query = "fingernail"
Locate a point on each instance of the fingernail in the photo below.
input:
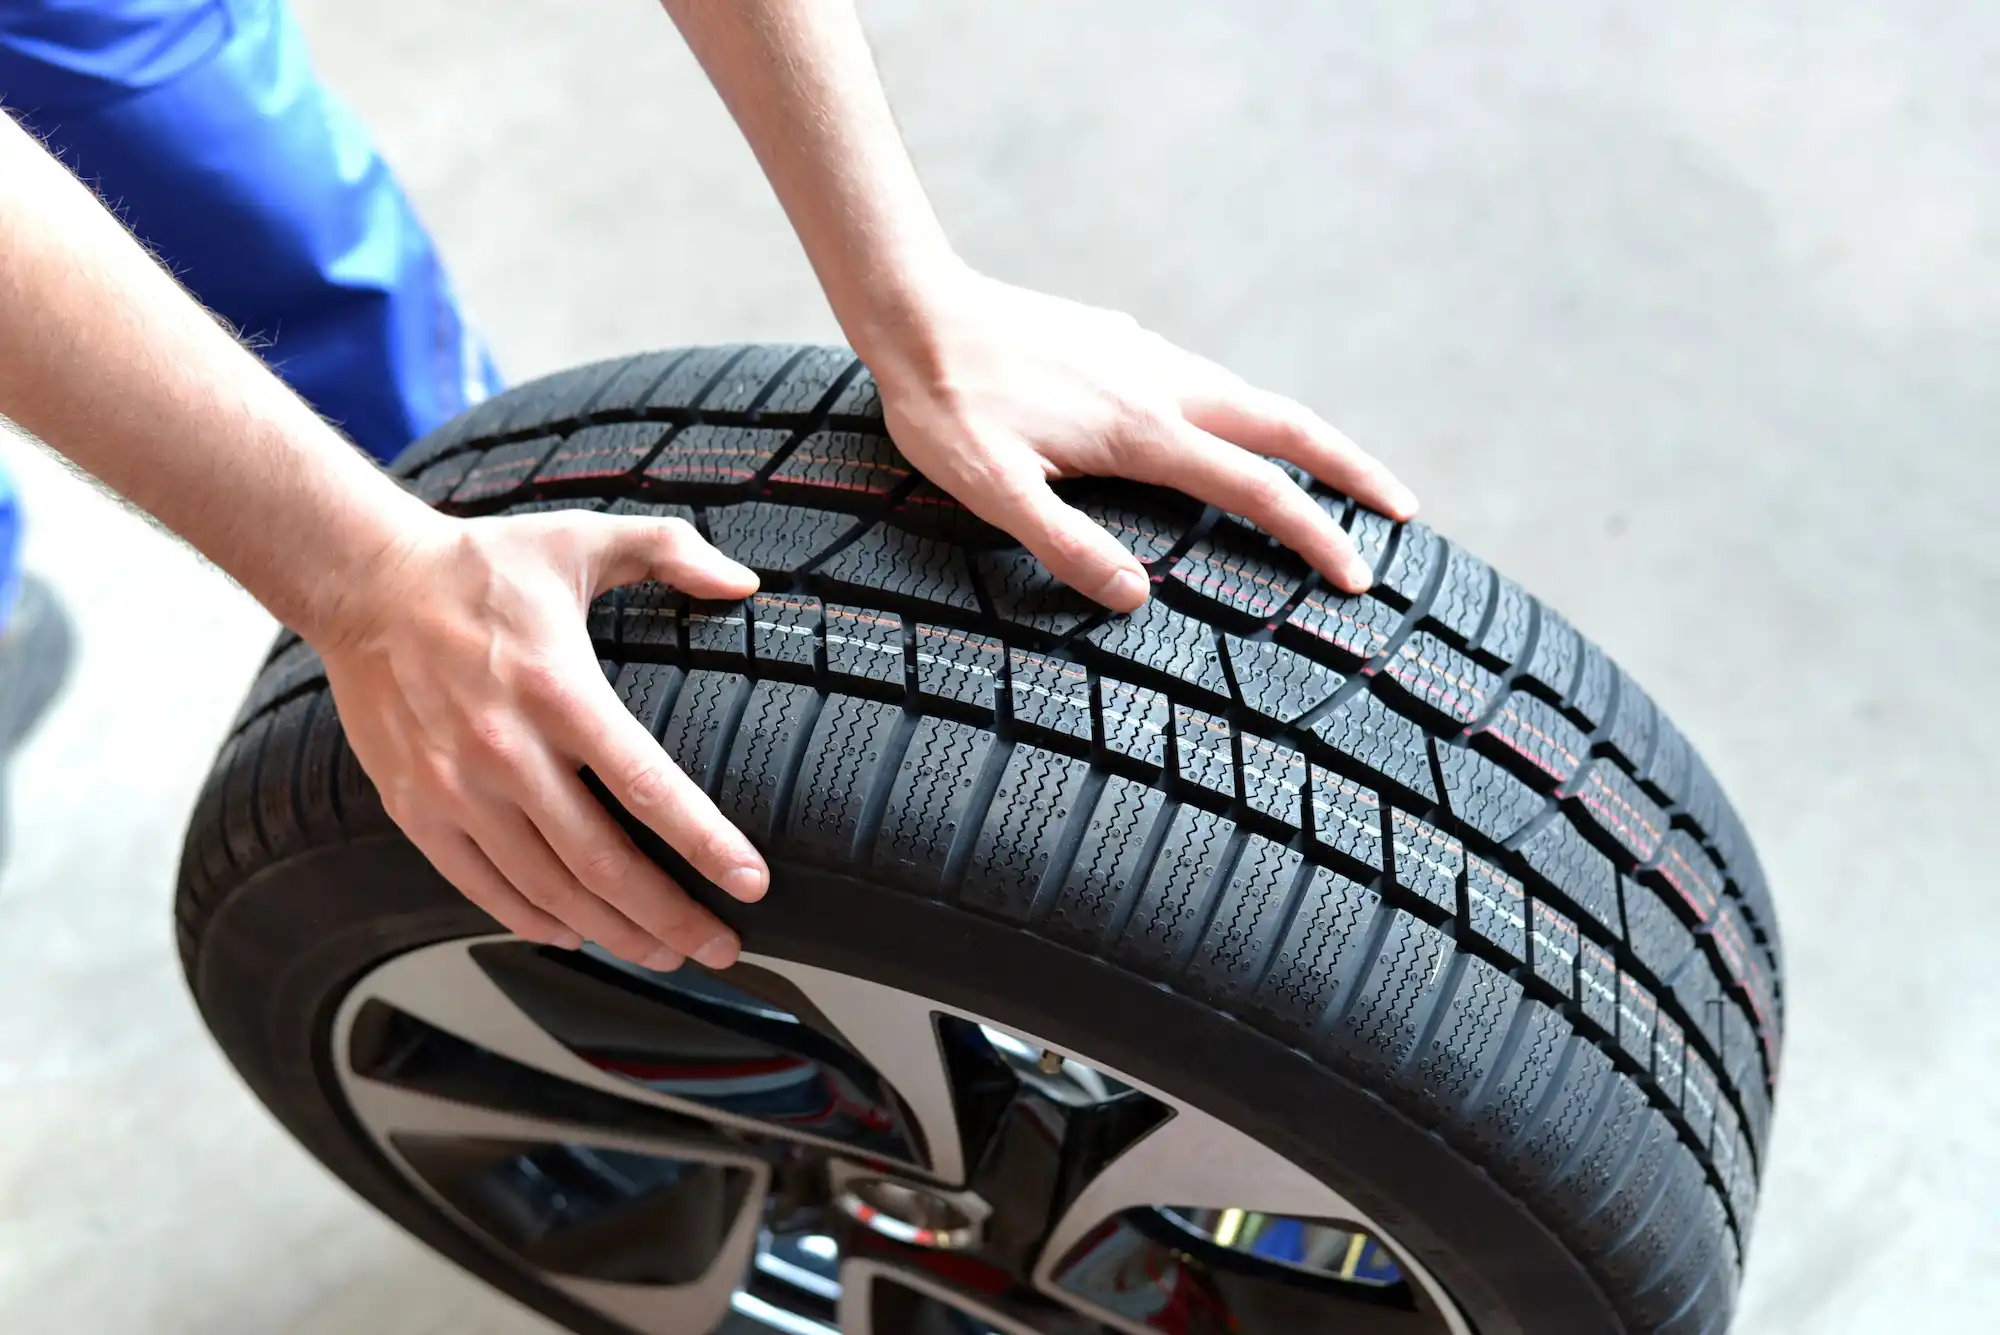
(567, 941)
(665, 960)
(747, 882)
(1402, 499)
(718, 952)
(1359, 577)
(1126, 590)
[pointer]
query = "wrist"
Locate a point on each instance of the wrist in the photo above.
(348, 578)
(896, 322)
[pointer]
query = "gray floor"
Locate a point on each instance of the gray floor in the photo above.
(1688, 322)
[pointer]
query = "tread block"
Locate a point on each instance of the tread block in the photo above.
(1513, 615)
(1440, 1080)
(1172, 903)
(1699, 1097)
(860, 398)
(861, 462)
(437, 481)
(1638, 1013)
(557, 397)
(1631, 737)
(1346, 815)
(1356, 626)
(960, 666)
(1276, 682)
(1484, 796)
(890, 560)
(1746, 968)
(1597, 992)
(694, 729)
(934, 785)
(753, 776)
(1497, 907)
(864, 646)
(1557, 649)
(1382, 1023)
(775, 539)
(709, 455)
(1024, 823)
(1248, 918)
(1051, 694)
(1415, 558)
(748, 378)
(592, 504)
(291, 670)
(1024, 593)
(1107, 860)
(606, 451)
(1700, 997)
(1669, 1056)
(1370, 733)
(1441, 678)
(649, 616)
(1595, 677)
(1428, 861)
(1135, 721)
(1615, 805)
(1158, 637)
(1274, 778)
(1462, 596)
(1370, 532)
(718, 631)
(1694, 878)
(785, 628)
(689, 375)
(278, 815)
(1533, 730)
(1666, 773)
(1322, 949)
(1552, 946)
(240, 834)
(1250, 585)
(627, 505)
(502, 471)
(318, 755)
(1556, 1137)
(836, 774)
(1146, 536)
(810, 379)
(1517, 1089)
(1205, 751)
(1572, 866)
(628, 382)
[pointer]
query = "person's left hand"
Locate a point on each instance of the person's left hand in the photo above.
(995, 392)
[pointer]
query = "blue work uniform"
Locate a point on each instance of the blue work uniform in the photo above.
(202, 124)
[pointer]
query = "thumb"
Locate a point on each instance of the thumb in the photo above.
(1074, 547)
(624, 549)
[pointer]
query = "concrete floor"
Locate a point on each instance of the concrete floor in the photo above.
(1686, 317)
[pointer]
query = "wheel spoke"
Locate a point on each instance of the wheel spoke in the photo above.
(896, 1033)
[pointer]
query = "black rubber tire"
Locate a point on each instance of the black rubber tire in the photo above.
(1421, 872)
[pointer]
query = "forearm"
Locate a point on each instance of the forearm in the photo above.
(798, 77)
(106, 360)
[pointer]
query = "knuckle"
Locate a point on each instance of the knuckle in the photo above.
(604, 864)
(553, 896)
(647, 784)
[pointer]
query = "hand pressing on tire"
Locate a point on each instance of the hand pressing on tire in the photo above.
(995, 392)
(472, 697)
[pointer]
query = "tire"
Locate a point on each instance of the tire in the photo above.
(1417, 888)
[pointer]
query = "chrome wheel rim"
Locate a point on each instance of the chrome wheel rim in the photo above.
(783, 1147)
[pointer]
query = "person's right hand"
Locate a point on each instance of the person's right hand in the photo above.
(472, 697)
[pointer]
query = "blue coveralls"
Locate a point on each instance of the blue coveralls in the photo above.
(201, 122)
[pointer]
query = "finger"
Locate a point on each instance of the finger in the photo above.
(1227, 406)
(1074, 547)
(624, 549)
(459, 861)
(519, 853)
(607, 864)
(1223, 475)
(629, 762)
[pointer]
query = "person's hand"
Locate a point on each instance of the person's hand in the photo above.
(471, 695)
(997, 391)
